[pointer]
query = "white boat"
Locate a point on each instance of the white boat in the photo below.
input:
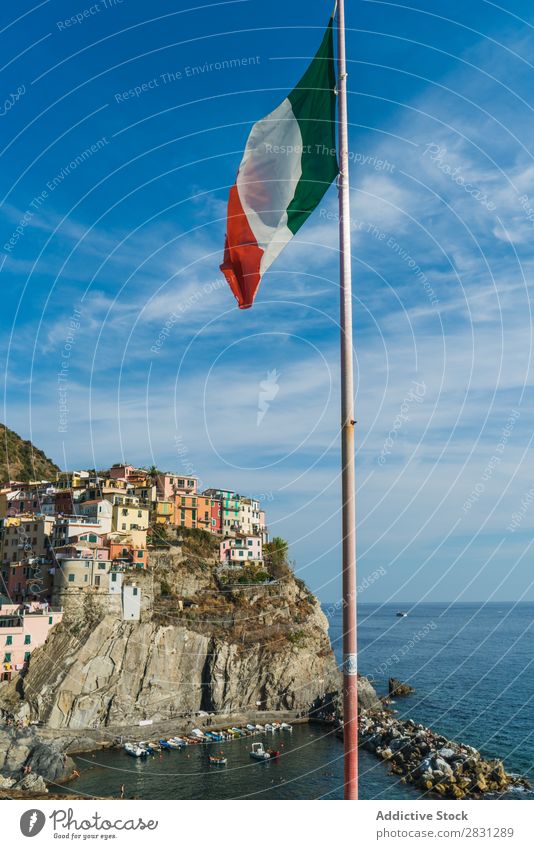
(196, 732)
(134, 750)
(176, 743)
(268, 727)
(260, 728)
(259, 753)
(251, 727)
(285, 726)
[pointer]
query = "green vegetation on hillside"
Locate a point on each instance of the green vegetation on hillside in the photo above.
(20, 460)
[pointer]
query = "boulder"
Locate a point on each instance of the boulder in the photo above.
(398, 688)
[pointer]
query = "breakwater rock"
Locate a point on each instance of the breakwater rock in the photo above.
(435, 765)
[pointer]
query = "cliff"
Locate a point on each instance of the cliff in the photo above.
(20, 460)
(203, 642)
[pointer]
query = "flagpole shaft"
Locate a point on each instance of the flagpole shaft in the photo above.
(350, 678)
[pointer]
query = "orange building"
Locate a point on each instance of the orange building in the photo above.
(192, 511)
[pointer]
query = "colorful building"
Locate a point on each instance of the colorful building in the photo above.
(193, 511)
(216, 515)
(229, 509)
(168, 485)
(26, 539)
(131, 520)
(98, 511)
(238, 551)
(23, 628)
(165, 512)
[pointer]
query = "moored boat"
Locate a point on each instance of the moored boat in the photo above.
(134, 750)
(259, 753)
(285, 726)
(216, 760)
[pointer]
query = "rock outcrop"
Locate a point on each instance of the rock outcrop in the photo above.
(27, 762)
(398, 688)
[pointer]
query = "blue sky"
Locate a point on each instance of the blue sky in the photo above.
(163, 368)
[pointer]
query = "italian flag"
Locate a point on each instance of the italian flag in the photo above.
(289, 162)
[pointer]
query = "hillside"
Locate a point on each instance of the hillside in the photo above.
(20, 460)
(203, 643)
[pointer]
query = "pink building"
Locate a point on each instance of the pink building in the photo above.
(23, 628)
(237, 551)
(168, 485)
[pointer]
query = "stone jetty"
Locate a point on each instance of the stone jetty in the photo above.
(435, 765)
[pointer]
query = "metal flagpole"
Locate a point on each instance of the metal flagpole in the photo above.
(350, 675)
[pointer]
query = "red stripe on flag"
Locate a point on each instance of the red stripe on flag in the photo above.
(242, 255)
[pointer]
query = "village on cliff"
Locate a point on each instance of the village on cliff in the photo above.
(89, 532)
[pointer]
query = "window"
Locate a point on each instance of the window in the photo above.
(9, 640)
(85, 578)
(27, 655)
(114, 578)
(190, 483)
(250, 554)
(123, 526)
(135, 590)
(101, 565)
(250, 542)
(124, 511)
(241, 553)
(7, 657)
(27, 639)
(139, 514)
(50, 620)
(71, 578)
(139, 553)
(97, 580)
(139, 565)
(181, 483)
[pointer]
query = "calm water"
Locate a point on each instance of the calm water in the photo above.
(471, 666)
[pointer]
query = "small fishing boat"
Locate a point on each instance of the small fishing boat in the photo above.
(276, 726)
(285, 726)
(134, 750)
(260, 728)
(273, 753)
(402, 613)
(251, 728)
(268, 726)
(176, 743)
(258, 752)
(196, 732)
(216, 760)
(146, 747)
(164, 744)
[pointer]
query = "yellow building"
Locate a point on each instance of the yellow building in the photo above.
(131, 520)
(164, 512)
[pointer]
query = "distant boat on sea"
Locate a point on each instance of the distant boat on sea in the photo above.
(402, 613)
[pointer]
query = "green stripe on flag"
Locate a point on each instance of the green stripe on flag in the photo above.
(313, 102)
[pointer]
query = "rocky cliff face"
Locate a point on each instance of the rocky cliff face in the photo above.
(203, 643)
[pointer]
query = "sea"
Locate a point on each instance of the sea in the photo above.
(471, 666)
